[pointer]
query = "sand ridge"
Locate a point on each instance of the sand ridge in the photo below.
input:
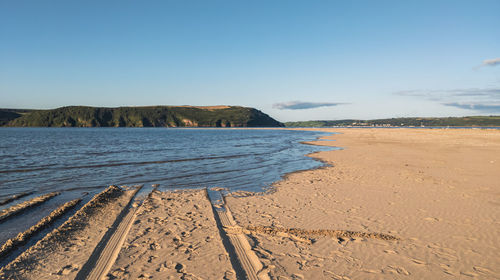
(14, 197)
(63, 252)
(23, 237)
(20, 207)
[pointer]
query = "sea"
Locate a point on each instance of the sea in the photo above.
(80, 162)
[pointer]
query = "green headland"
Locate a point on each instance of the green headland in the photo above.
(152, 116)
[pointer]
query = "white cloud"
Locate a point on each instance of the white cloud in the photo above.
(299, 105)
(491, 62)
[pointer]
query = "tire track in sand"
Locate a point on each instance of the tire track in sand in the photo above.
(62, 252)
(245, 262)
(105, 254)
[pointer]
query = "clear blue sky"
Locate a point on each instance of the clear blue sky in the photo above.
(295, 60)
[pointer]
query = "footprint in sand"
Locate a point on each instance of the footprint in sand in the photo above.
(396, 270)
(154, 246)
(371, 271)
(448, 256)
(469, 273)
(179, 267)
(446, 269)
(229, 275)
(482, 270)
(163, 267)
(449, 272)
(145, 276)
(68, 269)
(117, 274)
(223, 257)
(334, 276)
(418, 261)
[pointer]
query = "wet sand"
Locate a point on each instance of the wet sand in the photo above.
(394, 204)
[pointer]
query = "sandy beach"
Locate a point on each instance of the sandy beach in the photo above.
(436, 190)
(392, 204)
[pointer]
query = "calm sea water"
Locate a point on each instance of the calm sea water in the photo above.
(63, 159)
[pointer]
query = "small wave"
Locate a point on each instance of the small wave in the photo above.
(242, 172)
(125, 163)
(92, 153)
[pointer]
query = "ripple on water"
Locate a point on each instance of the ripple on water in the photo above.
(80, 160)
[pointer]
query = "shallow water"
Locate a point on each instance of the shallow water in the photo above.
(82, 161)
(55, 159)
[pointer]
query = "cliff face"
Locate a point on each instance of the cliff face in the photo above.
(154, 116)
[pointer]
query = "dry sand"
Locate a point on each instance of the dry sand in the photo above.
(438, 191)
(394, 204)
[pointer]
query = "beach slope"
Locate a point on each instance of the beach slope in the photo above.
(437, 191)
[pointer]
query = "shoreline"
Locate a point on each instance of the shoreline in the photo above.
(286, 213)
(391, 204)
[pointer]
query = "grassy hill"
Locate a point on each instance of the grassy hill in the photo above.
(450, 121)
(153, 116)
(7, 115)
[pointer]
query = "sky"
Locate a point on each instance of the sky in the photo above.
(294, 60)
